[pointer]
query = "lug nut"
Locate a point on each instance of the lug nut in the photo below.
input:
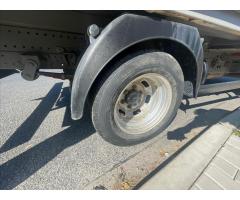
(134, 86)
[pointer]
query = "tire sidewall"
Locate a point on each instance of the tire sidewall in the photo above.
(103, 107)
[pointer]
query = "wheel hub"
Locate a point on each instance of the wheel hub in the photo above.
(133, 98)
(143, 103)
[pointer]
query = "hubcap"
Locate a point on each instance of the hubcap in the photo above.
(143, 103)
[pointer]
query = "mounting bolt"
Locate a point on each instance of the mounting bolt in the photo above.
(134, 87)
(122, 101)
(93, 30)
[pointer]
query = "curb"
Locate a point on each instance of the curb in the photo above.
(188, 165)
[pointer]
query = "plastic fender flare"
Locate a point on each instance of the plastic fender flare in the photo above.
(118, 35)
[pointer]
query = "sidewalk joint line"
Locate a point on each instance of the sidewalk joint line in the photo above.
(222, 170)
(209, 160)
(214, 180)
(233, 146)
(235, 176)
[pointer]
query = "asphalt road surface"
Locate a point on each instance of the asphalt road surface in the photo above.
(42, 148)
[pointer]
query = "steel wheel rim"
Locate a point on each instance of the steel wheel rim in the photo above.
(144, 112)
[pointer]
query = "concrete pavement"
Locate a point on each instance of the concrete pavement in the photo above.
(210, 162)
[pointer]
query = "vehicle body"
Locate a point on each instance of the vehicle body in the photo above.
(131, 67)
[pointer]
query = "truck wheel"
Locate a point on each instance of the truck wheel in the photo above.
(138, 99)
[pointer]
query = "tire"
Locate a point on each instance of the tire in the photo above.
(139, 99)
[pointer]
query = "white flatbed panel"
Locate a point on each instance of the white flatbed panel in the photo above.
(224, 24)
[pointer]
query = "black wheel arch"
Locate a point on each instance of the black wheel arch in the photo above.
(130, 33)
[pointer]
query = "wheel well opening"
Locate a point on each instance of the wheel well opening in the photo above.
(180, 52)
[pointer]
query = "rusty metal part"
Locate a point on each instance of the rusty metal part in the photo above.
(223, 62)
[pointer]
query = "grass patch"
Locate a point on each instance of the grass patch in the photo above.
(236, 132)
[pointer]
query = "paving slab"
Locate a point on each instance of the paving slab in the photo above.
(227, 167)
(199, 166)
(206, 183)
